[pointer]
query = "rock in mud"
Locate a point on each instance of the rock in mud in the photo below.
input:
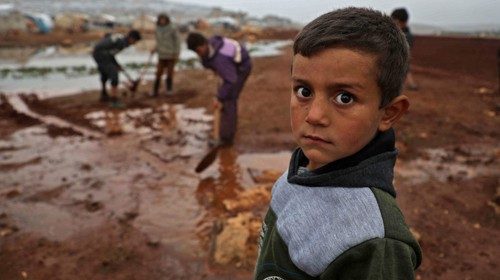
(85, 167)
(12, 193)
(93, 206)
(495, 202)
(153, 242)
(128, 216)
(249, 200)
(231, 242)
(264, 177)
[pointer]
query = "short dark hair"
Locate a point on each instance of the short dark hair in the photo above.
(400, 14)
(194, 40)
(364, 30)
(134, 34)
(160, 16)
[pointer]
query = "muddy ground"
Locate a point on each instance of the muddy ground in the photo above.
(128, 205)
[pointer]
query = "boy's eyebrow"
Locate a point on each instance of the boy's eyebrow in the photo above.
(298, 80)
(332, 86)
(354, 85)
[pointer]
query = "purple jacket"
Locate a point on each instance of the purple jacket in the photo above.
(229, 63)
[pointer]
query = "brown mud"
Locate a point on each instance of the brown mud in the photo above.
(130, 206)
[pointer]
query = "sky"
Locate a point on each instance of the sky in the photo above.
(432, 12)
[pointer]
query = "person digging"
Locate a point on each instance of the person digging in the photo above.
(104, 55)
(231, 62)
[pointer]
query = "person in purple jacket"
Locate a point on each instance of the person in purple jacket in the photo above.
(231, 62)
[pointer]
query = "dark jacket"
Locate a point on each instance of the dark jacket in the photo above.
(340, 221)
(409, 36)
(105, 50)
(229, 63)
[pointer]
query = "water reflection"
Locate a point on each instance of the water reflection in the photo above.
(211, 193)
(113, 127)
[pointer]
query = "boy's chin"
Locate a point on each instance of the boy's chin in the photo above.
(316, 158)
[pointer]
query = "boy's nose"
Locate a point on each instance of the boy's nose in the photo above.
(317, 112)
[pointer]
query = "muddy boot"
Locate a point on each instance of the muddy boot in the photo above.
(226, 142)
(156, 86)
(168, 82)
(104, 94)
(104, 97)
(115, 103)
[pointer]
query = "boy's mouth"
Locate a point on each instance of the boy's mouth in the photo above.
(316, 139)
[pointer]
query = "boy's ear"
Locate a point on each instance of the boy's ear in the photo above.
(393, 111)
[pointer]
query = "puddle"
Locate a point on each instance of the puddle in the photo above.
(169, 132)
(56, 71)
(78, 183)
(450, 164)
(268, 47)
(142, 175)
(49, 221)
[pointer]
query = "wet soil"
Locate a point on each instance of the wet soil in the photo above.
(25, 39)
(11, 120)
(131, 206)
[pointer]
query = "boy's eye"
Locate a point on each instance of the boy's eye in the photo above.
(303, 92)
(344, 98)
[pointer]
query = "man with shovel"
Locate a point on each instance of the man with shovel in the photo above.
(231, 62)
(104, 55)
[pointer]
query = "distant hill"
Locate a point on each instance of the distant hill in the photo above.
(180, 12)
(131, 7)
(425, 29)
(480, 30)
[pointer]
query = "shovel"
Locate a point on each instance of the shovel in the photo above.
(134, 84)
(209, 158)
(143, 71)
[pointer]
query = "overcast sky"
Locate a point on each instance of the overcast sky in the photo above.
(433, 12)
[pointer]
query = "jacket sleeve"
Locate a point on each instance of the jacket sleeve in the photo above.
(104, 48)
(113, 59)
(229, 74)
(177, 41)
(105, 45)
(379, 258)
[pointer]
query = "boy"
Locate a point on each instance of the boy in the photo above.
(231, 62)
(333, 214)
(400, 17)
(104, 55)
(168, 46)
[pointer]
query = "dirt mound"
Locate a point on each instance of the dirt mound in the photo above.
(11, 120)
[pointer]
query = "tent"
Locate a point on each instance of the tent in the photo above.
(43, 22)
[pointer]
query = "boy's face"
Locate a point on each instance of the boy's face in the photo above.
(202, 50)
(131, 41)
(400, 24)
(335, 104)
(162, 21)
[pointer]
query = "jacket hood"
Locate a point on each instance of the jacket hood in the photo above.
(372, 166)
(216, 42)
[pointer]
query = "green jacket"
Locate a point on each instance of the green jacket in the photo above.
(168, 44)
(338, 222)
